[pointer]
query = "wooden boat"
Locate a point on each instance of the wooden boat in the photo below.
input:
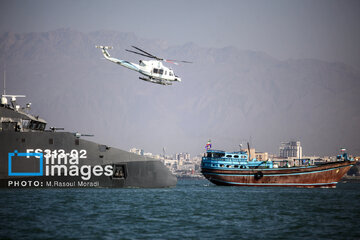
(235, 169)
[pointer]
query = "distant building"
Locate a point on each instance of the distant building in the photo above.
(252, 152)
(262, 156)
(148, 154)
(171, 164)
(291, 149)
(197, 159)
(137, 151)
(182, 156)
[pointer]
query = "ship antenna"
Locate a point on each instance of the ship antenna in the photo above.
(3, 97)
(249, 155)
(4, 81)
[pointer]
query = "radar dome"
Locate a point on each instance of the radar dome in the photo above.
(4, 100)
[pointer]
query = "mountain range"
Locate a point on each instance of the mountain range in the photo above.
(228, 95)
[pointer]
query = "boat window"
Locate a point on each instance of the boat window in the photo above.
(236, 166)
(215, 155)
(221, 165)
(155, 70)
(218, 155)
(161, 71)
(165, 72)
(170, 73)
(229, 156)
(25, 124)
(34, 125)
(51, 141)
(77, 141)
(236, 156)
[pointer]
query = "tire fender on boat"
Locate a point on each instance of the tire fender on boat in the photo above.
(258, 175)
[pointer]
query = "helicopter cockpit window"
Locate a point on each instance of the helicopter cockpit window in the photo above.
(170, 73)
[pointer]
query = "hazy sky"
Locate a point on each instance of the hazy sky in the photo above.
(327, 30)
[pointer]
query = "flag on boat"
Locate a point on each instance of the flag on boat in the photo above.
(208, 145)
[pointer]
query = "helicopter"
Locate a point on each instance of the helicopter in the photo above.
(153, 70)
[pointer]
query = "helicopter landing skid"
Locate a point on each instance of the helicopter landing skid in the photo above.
(156, 81)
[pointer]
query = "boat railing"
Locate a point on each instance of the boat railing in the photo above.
(227, 163)
(224, 160)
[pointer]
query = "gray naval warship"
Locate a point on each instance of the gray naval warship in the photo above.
(31, 156)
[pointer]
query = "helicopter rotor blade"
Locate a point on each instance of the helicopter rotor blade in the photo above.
(170, 61)
(147, 53)
(139, 53)
(176, 62)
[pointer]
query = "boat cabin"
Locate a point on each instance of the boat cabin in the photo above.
(16, 119)
(232, 160)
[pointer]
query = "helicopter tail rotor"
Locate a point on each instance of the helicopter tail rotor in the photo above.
(104, 50)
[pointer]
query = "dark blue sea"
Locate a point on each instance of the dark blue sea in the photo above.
(195, 209)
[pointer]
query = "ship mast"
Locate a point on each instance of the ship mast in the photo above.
(13, 97)
(3, 98)
(4, 81)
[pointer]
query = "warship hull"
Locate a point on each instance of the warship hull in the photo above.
(323, 176)
(61, 159)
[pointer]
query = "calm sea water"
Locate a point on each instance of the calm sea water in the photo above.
(195, 209)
